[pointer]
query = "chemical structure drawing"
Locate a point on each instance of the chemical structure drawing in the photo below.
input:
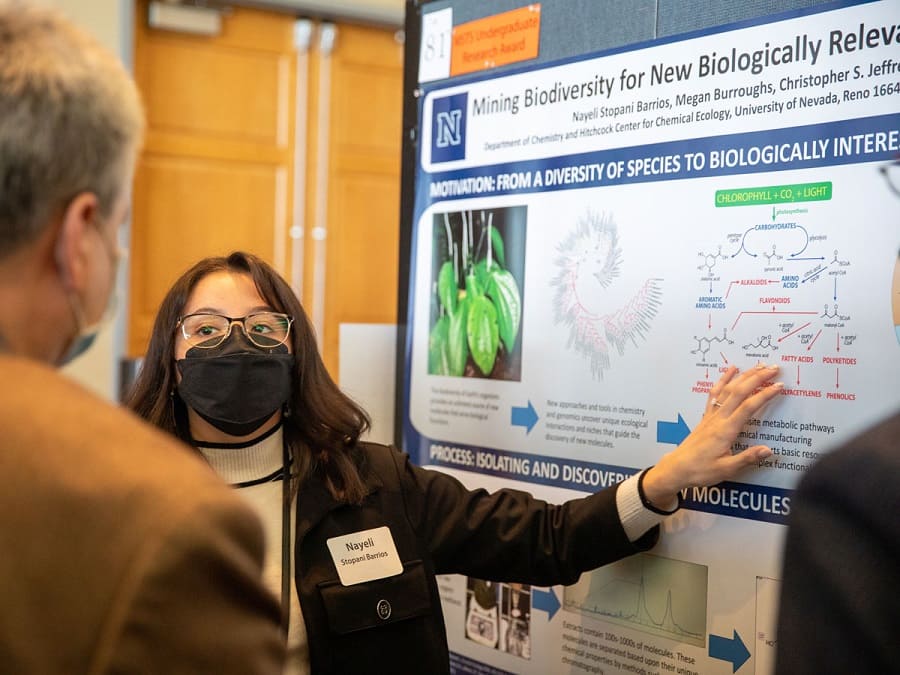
(704, 344)
(829, 314)
(832, 314)
(818, 272)
(772, 279)
(710, 260)
(764, 342)
(836, 261)
(771, 256)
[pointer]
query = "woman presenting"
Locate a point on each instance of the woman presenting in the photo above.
(356, 531)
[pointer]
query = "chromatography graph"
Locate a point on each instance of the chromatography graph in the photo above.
(656, 595)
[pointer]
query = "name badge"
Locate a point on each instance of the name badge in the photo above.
(365, 556)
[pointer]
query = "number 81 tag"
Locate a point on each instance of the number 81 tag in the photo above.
(434, 52)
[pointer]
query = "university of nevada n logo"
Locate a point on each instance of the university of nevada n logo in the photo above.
(448, 128)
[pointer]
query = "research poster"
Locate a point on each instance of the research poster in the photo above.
(595, 242)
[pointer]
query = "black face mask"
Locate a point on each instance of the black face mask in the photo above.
(236, 386)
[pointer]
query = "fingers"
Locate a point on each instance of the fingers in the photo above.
(705, 456)
(715, 398)
(757, 453)
(719, 386)
(733, 465)
(739, 393)
(751, 456)
(753, 404)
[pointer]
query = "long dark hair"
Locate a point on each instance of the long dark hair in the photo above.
(322, 426)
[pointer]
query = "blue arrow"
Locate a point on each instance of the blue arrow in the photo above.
(813, 276)
(727, 649)
(545, 600)
(672, 432)
(524, 417)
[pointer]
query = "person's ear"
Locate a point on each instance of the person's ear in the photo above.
(72, 247)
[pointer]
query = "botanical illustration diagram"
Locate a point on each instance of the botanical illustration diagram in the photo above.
(592, 299)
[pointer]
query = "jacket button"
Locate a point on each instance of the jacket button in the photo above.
(383, 608)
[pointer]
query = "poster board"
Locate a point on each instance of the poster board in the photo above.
(633, 221)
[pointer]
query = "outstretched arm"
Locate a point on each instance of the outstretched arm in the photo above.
(705, 457)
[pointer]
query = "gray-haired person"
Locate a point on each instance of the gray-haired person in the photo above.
(119, 550)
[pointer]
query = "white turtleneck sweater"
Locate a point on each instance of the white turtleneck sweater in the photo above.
(257, 460)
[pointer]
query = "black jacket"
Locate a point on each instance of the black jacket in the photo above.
(840, 596)
(438, 527)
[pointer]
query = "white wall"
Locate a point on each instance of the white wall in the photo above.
(367, 369)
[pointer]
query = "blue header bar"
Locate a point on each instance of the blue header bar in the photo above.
(737, 500)
(845, 142)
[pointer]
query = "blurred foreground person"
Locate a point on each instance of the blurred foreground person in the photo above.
(119, 550)
(840, 593)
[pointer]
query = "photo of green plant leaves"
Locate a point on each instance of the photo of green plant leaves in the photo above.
(478, 270)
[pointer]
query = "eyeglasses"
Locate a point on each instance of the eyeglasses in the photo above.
(891, 174)
(264, 329)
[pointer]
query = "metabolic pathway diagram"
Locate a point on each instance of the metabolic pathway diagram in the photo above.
(777, 291)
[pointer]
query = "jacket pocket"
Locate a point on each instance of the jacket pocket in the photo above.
(377, 603)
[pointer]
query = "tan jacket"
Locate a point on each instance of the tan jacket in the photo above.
(120, 551)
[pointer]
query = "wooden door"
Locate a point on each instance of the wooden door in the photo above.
(215, 171)
(355, 251)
